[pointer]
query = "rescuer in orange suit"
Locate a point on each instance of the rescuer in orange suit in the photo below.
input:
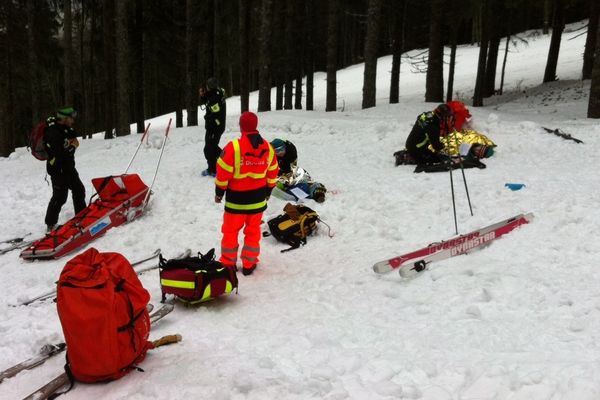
(246, 174)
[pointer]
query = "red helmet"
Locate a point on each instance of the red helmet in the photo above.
(446, 116)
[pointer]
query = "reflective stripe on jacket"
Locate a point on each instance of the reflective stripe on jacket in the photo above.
(246, 174)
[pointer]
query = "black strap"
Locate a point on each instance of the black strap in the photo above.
(69, 375)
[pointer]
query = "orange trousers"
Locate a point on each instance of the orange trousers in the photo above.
(232, 224)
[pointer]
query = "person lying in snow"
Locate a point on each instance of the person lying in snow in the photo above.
(471, 144)
(298, 185)
(294, 183)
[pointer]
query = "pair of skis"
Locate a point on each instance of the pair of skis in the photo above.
(411, 264)
(140, 271)
(50, 350)
(15, 243)
(52, 292)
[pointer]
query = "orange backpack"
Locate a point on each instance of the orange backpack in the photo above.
(102, 309)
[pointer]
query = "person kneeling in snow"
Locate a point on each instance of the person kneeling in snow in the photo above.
(246, 174)
(427, 130)
(287, 155)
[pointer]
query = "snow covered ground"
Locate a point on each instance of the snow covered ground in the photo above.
(517, 320)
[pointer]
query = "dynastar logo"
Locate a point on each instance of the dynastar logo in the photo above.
(472, 243)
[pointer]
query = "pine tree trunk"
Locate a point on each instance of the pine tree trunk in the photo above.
(490, 69)
(480, 79)
(501, 90)
(34, 87)
(68, 52)
(452, 63)
(108, 56)
(264, 75)
(594, 100)
(398, 17)
(332, 44)
(244, 7)
(434, 85)
(310, 57)
(138, 66)
(590, 41)
(290, 52)
(122, 60)
(191, 98)
(371, 44)
(558, 25)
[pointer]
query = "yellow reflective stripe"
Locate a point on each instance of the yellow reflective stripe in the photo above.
(236, 158)
(215, 108)
(177, 284)
(51, 162)
(253, 206)
(208, 291)
(224, 165)
(424, 142)
(271, 155)
(221, 183)
(218, 122)
(269, 181)
(272, 167)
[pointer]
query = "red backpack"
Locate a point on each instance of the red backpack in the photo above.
(102, 308)
(35, 141)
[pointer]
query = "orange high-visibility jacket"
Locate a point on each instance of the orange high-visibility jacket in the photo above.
(246, 174)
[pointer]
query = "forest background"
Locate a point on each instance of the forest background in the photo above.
(121, 62)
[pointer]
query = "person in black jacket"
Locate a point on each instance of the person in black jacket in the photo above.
(427, 130)
(60, 141)
(287, 155)
(212, 97)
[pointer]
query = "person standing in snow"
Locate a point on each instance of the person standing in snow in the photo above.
(60, 141)
(427, 130)
(246, 174)
(212, 98)
(287, 155)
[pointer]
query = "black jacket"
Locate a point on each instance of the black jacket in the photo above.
(216, 108)
(425, 131)
(59, 141)
(289, 159)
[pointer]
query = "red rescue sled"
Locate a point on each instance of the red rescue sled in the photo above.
(120, 199)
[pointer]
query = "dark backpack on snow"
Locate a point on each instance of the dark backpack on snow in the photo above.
(294, 225)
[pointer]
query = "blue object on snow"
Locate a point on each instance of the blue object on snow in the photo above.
(514, 186)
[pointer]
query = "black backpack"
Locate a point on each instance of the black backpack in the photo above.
(293, 227)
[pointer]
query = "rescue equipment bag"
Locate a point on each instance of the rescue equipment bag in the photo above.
(196, 279)
(294, 225)
(102, 309)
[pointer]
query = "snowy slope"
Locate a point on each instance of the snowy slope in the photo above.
(517, 320)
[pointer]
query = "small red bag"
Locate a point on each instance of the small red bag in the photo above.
(102, 308)
(196, 279)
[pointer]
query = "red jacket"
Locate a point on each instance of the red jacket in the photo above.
(246, 173)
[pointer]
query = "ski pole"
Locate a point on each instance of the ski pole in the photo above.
(145, 202)
(462, 169)
(138, 148)
(453, 200)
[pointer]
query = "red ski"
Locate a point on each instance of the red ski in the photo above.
(462, 244)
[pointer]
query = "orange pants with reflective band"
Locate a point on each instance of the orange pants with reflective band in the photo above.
(232, 224)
